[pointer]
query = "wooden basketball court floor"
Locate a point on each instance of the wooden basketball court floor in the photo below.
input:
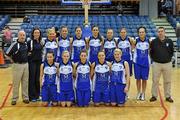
(133, 110)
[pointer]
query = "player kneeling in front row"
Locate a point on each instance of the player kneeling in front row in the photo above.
(82, 81)
(100, 72)
(66, 94)
(119, 79)
(48, 78)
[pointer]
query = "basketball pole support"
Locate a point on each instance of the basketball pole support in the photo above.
(86, 14)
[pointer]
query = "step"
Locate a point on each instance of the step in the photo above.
(15, 27)
(14, 24)
(171, 34)
(16, 20)
(162, 24)
(170, 31)
(173, 38)
(15, 31)
(160, 20)
(168, 27)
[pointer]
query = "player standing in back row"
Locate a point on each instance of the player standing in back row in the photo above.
(125, 44)
(96, 42)
(109, 45)
(78, 44)
(141, 61)
(64, 42)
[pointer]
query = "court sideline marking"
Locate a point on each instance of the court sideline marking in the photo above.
(162, 105)
(161, 102)
(6, 97)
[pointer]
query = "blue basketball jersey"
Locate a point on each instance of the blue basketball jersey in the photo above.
(109, 47)
(51, 46)
(94, 48)
(118, 72)
(66, 76)
(64, 44)
(83, 76)
(125, 47)
(50, 72)
(77, 46)
(101, 80)
(141, 52)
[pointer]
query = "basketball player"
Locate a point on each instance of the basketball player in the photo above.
(96, 42)
(78, 44)
(119, 79)
(51, 44)
(125, 44)
(66, 95)
(48, 78)
(101, 73)
(109, 45)
(64, 42)
(141, 61)
(82, 75)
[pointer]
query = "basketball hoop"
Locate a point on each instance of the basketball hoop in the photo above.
(86, 2)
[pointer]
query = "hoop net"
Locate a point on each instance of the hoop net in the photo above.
(86, 2)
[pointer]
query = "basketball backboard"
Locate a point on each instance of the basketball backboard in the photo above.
(79, 2)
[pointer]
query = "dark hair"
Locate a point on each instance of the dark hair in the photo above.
(78, 27)
(94, 27)
(63, 26)
(50, 52)
(140, 28)
(6, 27)
(99, 35)
(161, 28)
(32, 36)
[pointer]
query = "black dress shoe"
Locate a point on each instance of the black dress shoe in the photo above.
(13, 103)
(152, 99)
(169, 99)
(26, 101)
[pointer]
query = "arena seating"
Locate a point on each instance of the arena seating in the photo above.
(104, 22)
(3, 20)
(173, 20)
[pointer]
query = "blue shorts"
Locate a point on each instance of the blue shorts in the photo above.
(141, 72)
(101, 96)
(117, 94)
(49, 93)
(83, 97)
(66, 96)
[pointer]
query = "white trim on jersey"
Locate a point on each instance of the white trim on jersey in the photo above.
(10, 48)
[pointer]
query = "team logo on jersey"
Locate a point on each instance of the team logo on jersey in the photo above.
(98, 68)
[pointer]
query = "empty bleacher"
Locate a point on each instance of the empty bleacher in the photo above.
(104, 22)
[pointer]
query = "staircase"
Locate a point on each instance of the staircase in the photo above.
(15, 25)
(170, 33)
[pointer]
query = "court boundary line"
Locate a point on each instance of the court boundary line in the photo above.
(5, 98)
(163, 106)
(160, 95)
